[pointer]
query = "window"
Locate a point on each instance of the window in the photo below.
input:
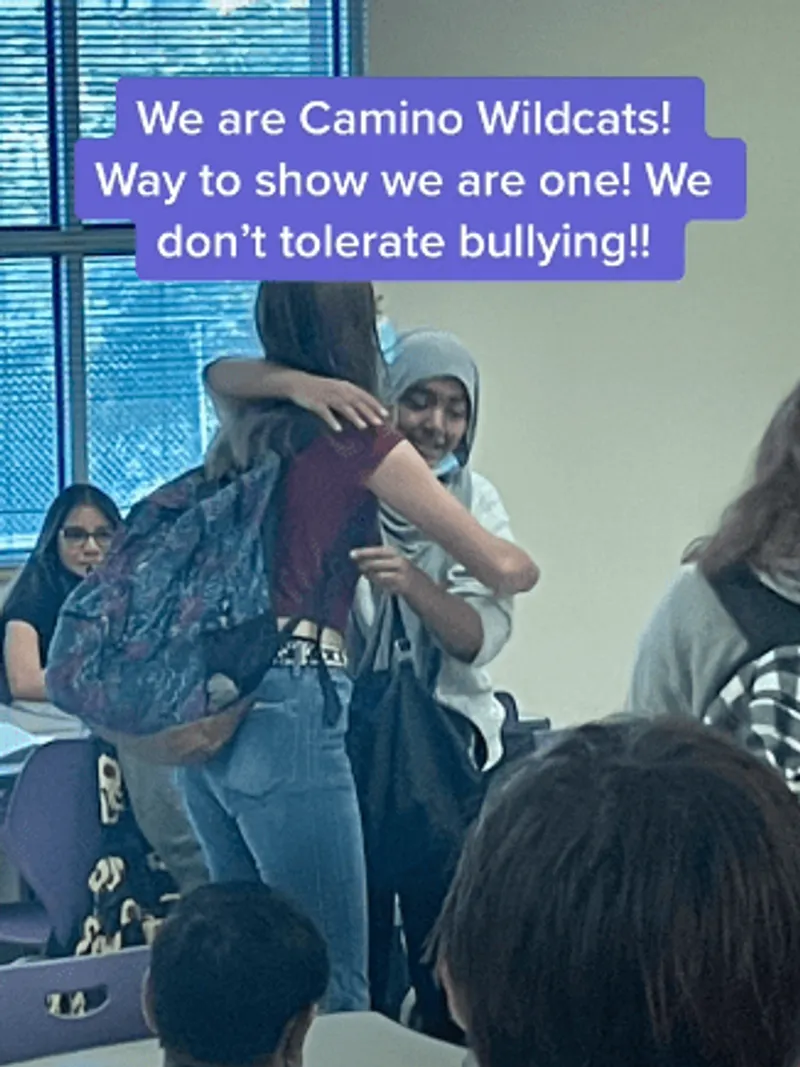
(100, 372)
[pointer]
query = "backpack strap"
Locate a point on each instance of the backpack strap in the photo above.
(765, 618)
(332, 704)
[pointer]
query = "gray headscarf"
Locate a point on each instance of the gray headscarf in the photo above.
(419, 355)
(415, 357)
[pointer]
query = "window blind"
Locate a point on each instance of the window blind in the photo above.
(100, 372)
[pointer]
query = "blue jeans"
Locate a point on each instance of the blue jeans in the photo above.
(279, 804)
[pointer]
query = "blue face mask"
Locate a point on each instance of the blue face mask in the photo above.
(387, 338)
(446, 466)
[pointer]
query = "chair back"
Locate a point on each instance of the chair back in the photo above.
(112, 983)
(52, 831)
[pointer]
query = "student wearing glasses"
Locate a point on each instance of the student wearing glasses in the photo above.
(74, 539)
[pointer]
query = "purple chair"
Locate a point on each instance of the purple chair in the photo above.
(53, 835)
(114, 981)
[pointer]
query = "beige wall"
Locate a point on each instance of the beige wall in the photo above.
(618, 419)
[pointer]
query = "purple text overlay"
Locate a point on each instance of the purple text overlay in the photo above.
(411, 179)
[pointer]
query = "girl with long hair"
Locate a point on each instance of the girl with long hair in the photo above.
(738, 593)
(74, 538)
(279, 803)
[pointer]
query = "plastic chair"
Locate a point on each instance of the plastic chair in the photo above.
(53, 835)
(30, 1031)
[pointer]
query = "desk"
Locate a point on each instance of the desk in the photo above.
(42, 720)
(350, 1040)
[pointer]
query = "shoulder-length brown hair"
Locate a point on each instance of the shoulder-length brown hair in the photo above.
(762, 526)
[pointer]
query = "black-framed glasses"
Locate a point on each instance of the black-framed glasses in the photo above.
(78, 536)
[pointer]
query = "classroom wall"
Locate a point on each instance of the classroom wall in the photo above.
(618, 419)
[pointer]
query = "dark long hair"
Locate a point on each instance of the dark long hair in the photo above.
(44, 581)
(762, 526)
(45, 551)
(323, 328)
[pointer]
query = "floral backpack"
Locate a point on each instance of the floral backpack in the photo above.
(166, 642)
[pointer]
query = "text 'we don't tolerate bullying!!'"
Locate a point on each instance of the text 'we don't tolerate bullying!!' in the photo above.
(473, 179)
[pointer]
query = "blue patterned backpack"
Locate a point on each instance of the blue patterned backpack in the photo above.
(166, 642)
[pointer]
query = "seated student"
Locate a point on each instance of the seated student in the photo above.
(74, 539)
(723, 644)
(236, 974)
(632, 897)
(77, 531)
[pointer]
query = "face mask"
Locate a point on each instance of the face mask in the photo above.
(387, 337)
(447, 465)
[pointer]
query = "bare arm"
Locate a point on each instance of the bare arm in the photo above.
(404, 482)
(231, 381)
(24, 668)
(454, 622)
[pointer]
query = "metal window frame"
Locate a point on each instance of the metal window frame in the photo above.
(67, 242)
(356, 45)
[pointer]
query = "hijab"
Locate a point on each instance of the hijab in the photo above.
(417, 357)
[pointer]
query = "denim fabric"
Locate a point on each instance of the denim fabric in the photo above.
(279, 804)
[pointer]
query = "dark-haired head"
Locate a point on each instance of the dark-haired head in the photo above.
(77, 529)
(631, 897)
(762, 526)
(322, 328)
(235, 976)
(75, 536)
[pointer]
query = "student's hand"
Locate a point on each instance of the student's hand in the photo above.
(328, 398)
(387, 569)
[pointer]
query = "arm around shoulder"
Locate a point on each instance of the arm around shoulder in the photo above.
(242, 378)
(404, 482)
(234, 380)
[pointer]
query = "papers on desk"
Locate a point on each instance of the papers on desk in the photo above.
(14, 740)
(44, 721)
(26, 726)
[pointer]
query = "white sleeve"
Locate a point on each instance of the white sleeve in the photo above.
(496, 613)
